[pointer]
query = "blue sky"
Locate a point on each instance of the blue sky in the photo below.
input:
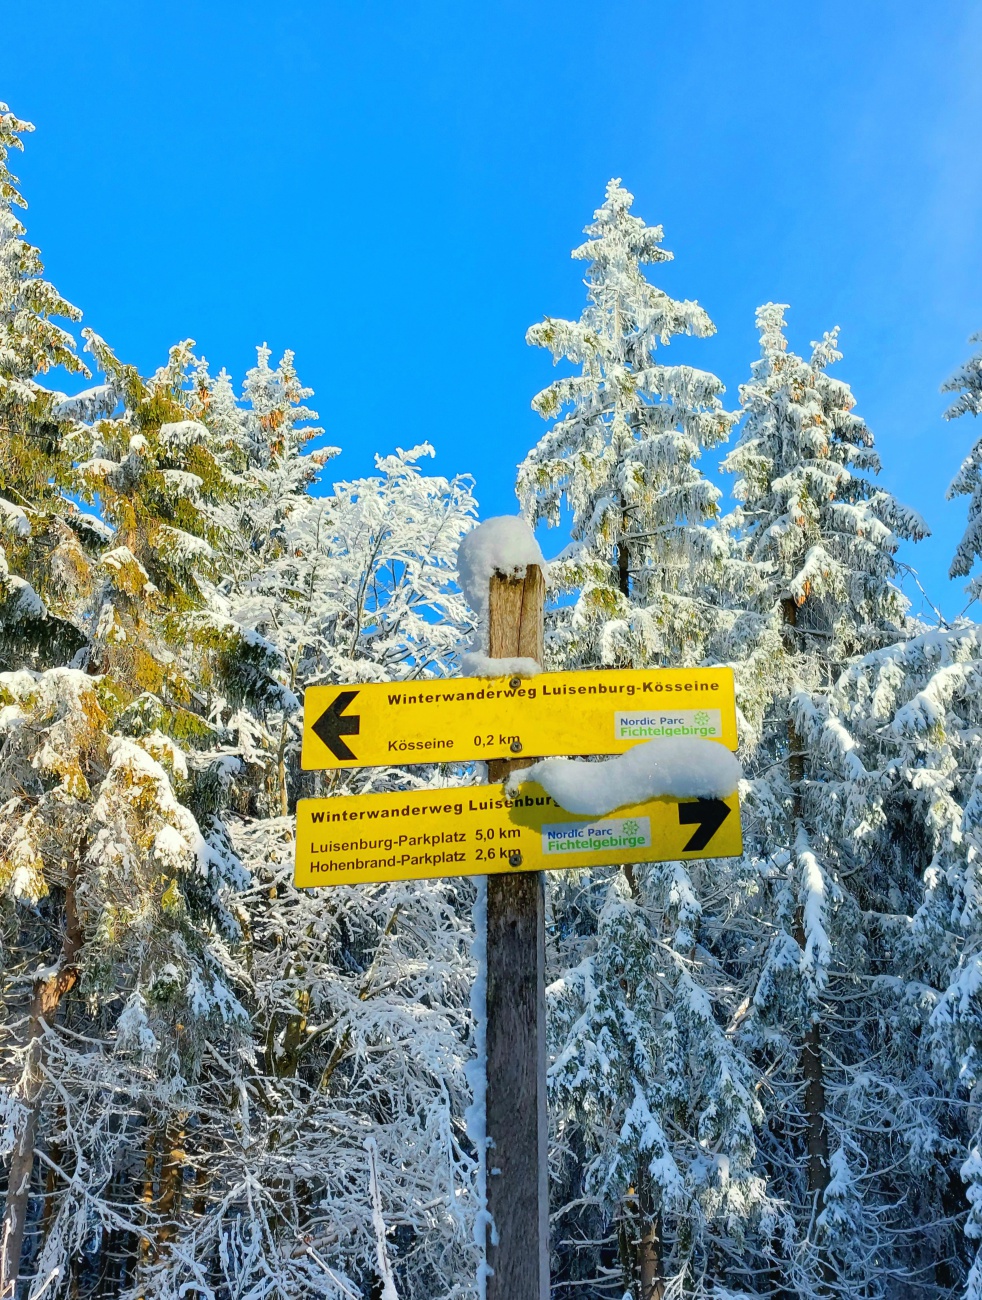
(392, 190)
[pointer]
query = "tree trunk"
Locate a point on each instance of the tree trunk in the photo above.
(171, 1182)
(112, 1246)
(623, 557)
(284, 792)
(644, 1265)
(796, 757)
(812, 1064)
(56, 1156)
(146, 1195)
(294, 1037)
(48, 993)
(649, 1262)
(813, 1069)
(644, 1251)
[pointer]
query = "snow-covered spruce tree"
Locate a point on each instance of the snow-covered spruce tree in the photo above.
(655, 1108)
(118, 875)
(358, 585)
(157, 480)
(967, 383)
(359, 998)
(100, 1059)
(893, 796)
(824, 539)
(267, 434)
(264, 440)
(46, 543)
(621, 458)
(645, 1080)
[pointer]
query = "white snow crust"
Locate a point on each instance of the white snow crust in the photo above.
(183, 433)
(14, 518)
(474, 663)
(389, 1291)
(682, 767)
(88, 405)
(503, 545)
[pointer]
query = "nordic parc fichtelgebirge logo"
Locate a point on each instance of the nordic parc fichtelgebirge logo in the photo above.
(596, 837)
(650, 724)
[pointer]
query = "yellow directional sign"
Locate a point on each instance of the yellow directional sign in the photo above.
(601, 711)
(477, 830)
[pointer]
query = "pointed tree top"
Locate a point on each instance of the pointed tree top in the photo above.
(31, 343)
(11, 129)
(617, 235)
(770, 325)
(967, 382)
(825, 351)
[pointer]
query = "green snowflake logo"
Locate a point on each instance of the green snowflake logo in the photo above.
(631, 828)
(700, 717)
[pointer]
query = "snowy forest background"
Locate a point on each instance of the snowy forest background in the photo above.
(763, 1071)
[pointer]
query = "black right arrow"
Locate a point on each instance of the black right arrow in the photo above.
(708, 815)
(331, 726)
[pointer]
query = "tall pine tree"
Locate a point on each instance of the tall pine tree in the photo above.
(45, 541)
(824, 540)
(621, 457)
(646, 1080)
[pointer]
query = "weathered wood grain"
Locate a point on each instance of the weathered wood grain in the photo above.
(518, 1195)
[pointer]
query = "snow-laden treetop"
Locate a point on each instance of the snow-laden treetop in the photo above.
(621, 455)
(811, 513)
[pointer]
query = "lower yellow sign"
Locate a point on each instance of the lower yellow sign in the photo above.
(477, 830)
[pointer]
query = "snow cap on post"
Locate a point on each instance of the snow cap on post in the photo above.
(504, 545)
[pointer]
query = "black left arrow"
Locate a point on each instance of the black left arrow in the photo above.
(707, 815)
(331, 726)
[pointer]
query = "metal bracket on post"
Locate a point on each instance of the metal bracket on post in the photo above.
(517, 1122)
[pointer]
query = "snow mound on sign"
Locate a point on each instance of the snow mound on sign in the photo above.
(682, 767)
(475, 664)
(503, 545)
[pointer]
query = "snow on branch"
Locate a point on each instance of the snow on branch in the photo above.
(89, 405)
(814, 903)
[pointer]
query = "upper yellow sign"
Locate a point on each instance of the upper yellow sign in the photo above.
(477, 830)
(597, 711)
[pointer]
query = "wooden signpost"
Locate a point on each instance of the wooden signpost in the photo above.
(510, 838)
(516, 1116)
